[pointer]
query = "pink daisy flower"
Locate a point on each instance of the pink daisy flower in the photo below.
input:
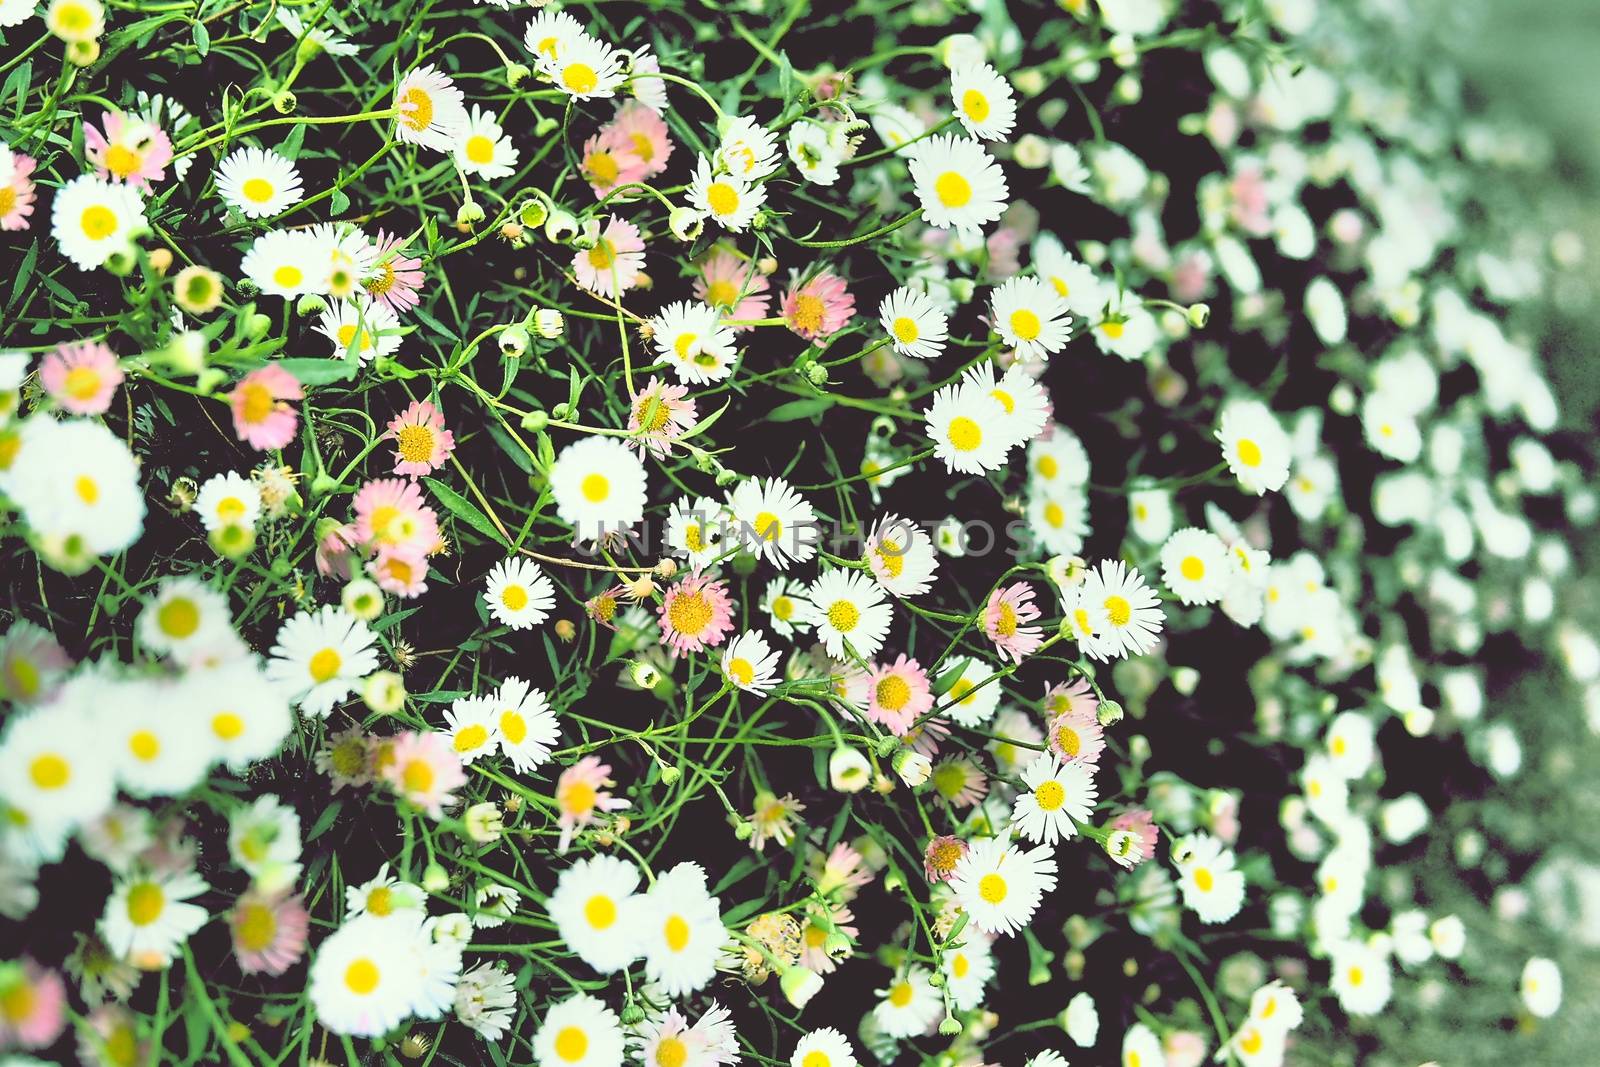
(1003, 246)
(1140, 824)
(1077, 738)
(81, 377)
(400, 571)
(423, 768)
(644, 134)
(269, 931)
(581, 791)
(602, 607)
(390, 514)
(733, 286)
(334, 548)
(814, 955)
(397, 278)
(842, 871)
(615, 262)
(422, 444)
(1005, 618)
(941, 856)
(818, 308)
(1076, 695)
(660, 415)
(960, 781)
(609, 161)
(261, 419)
(16, 189)
(112, 1036)
(131, 150)
(924, 738)
(32, 664)
(695, 614)
(33, 1004)
(893, 695)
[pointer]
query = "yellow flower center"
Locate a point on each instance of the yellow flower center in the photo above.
(783, 608)
(1050, 795)
(722, 198)
(1047, 467)
(843, 616)
(816, 1058)
(905, 330)
(901, 994)
(1006, 624)
(577, 799)
(1025, 324)
(741, 670)
(1054, 514)
(595, 488)
(1251, 1042)
(676, 931)
(571, 1044)
(602, 166)
(49, 771)
(178, 617)
(992, 888)
(893, 693)
(690, 613)
(600, 912)
(1192, 568)
(514, 597)
(1357, 976)
(416, 109)
(288, 276)
(480, 149)
(98, 222)
(1249, 452)
(513, 727)
(642, 147)
(471, 738)
(1204, 880)
(146, 902)
(1119, 610)
(257, 402)
(82, 383)
(671, 1052)
(144, 745)
(361, 977)
(964, 434)
(768, 526)
(1068, 740)
(16, 1004)
(226, 725)
(415, 444)
(975, 104)
(258, 190)
(380, 901)
(255, 927)
(579, 78)
(960, 965)
(417, 776)
(808, 311)
(952, 189)
(722, 293)
(324, 665)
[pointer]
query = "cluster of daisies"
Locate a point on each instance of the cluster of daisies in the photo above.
(639, 543)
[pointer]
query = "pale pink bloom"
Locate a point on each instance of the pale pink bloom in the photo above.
(1184, 1048)
(581, 791)
(132, 149)
(35, 1002)
(841, 871)
(400, 571)
(32, 664)
(615, 262)
(609, 161)
(814, 955)
(1076, 695)
(1076, 737)
(334, 549)
(1004, 245)
(733, 286)
(269, 931)
(1224, 811)
(960, 781)
(602, 607)
(16, 190)
(643, 132)
(894, 695)
(390, 513)
(261, 419)
(1141, 824)
(423, 768)
(1191, 276)
(924, 738)
(397, 278)
(661, 411)
(1005, 618)
(941, 856)
(696, 614)
(1250, 205)
(346, 758)
(422, 444)
(81, 377)
(111, 1037)
(820, 307)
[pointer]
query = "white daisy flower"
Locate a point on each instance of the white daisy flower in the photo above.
(1350, 743)
(579, 1032)
(694, 530)
(1142, 1048)
(383, 895)
(785, 606)
(813, 153)
(771, 520)
(910, 1006)
(999, 884)
(1058, 463)
(185, 614)
(366, 976)
(1080, 285)
(917, 327)
(1361, 978)
(1059, 796)
(690, 336)
(750, 664)
(483, 147)
(968, 430)
(1026, 404)
(154, 753)
(1150, 514)
(984, 101)
(258, 182)
(473, 728)
(320, 658)
(228, 499)
(896, 125)
(77, 485)
(1059, 521)
(679, 931)
(549, 34)
(748, 151)
(1275, 1006)
(1030, 317)
(1128, 333)
(1211, 887)
(847, 605)
(959, 185)
(286, 263)
(148, 917)
(93, 220)
(518, 593)
(75, 20)
(901, 556)
(363, 329)
(1254, 446)
(1133, 615)
(1540, 987)
(593, 909)
(526, 726)
(583, 67)
(264, 842)
(329, 42)
(826, 1047)
(972, 702)
(599, 487)
(727, 198)
(48, 777)
(967, 971)
(1195, 565)
(431, 109)
(1083, 1020)
(246, 717)
(1255, 1045)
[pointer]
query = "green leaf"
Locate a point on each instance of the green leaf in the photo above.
(463, 509)
(338, 202)
(320, 371)
(202, 38)
(942, 684)
(24, 272)
(325, 821)
(800, 409)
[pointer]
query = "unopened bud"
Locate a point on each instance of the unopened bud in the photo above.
(1198, 315)
(435, 879)
(513, 342)
(516, 72)
(233, 541)
(469, 213)
(549, 323)
(384, 692)
(1109, 713)
(284, 103)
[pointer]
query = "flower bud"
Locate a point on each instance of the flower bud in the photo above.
(912, 767)
(516, 72)
(565, 630)
(549, 323)
(1198, 315)
(816, 373)
(469, 213)
(197, 290)
(160, 260)
(1109, 713)
(545, 127)
(643, 674)
(310, 304)
(435, 879)
(686, 223)
(233, 541)
(949, 1026)
(384, 692)
(533, 213)
(83, 53)
(743, 830)
(483, 822)
(121, 262)
(513, 342)
(363, 599)
(848, 770)
(666, 568)
(799, 985)
(671, 774)
(256, 325)
(535, 421)
(632, 1015)
(284, 102)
